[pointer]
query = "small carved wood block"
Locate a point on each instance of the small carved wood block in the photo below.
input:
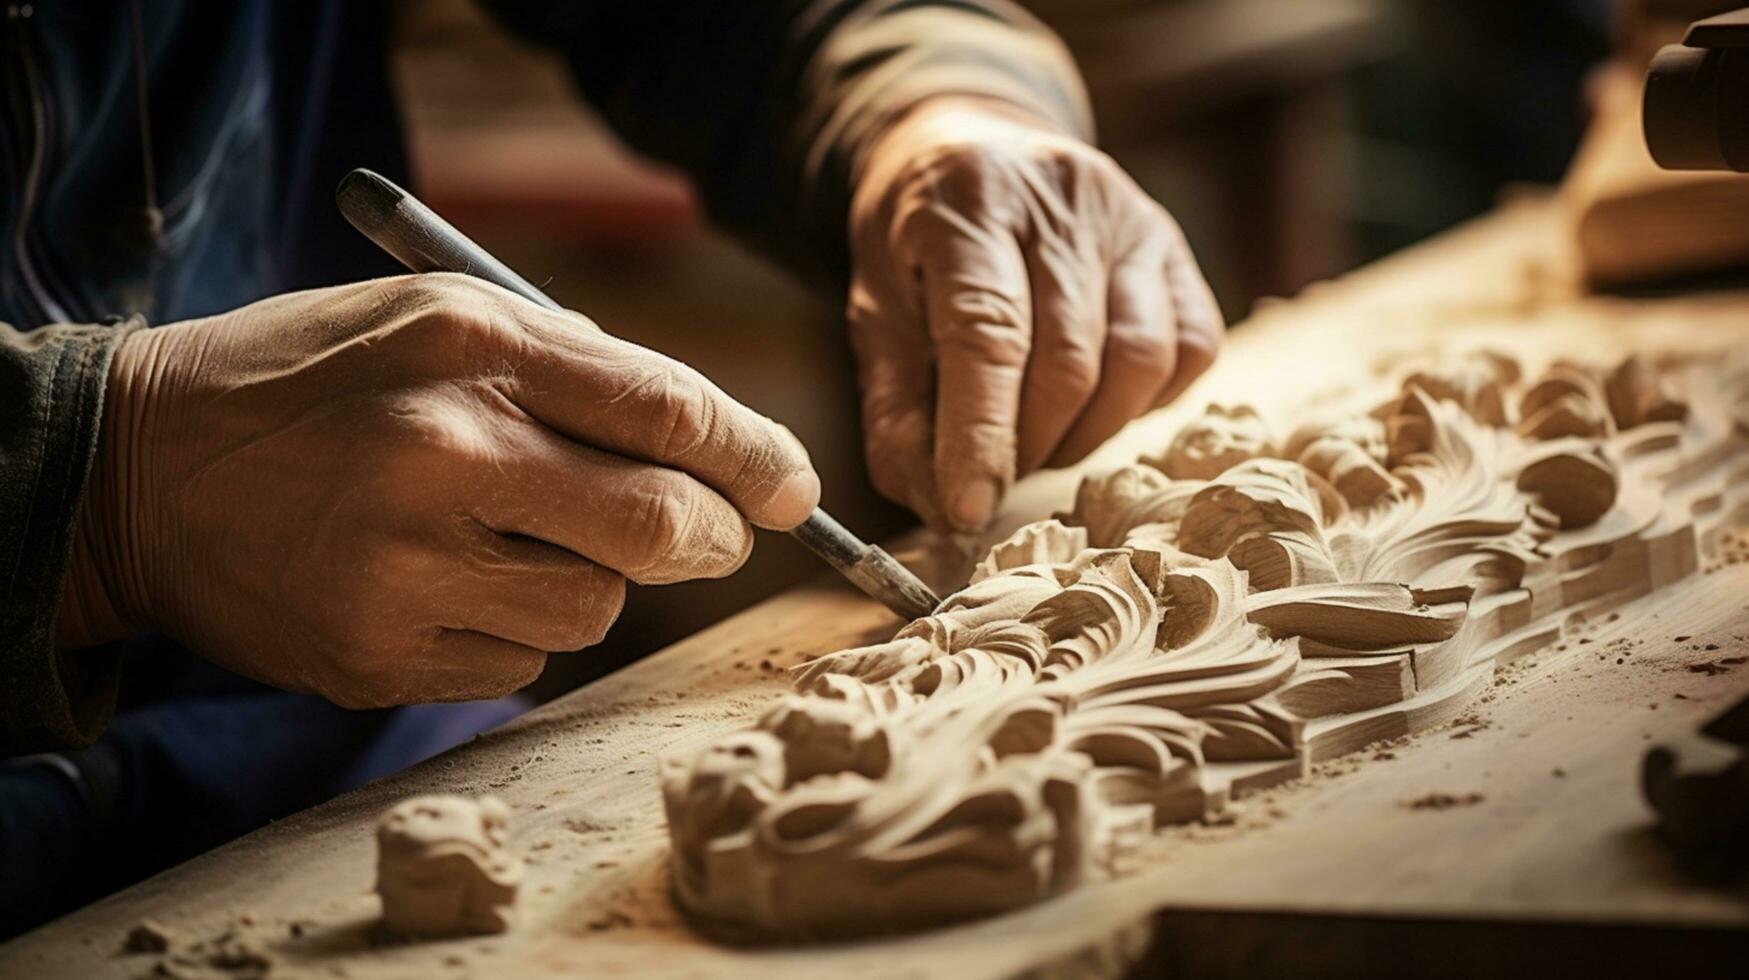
(443, 868)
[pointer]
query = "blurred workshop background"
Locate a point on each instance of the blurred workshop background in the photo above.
(1293, 139)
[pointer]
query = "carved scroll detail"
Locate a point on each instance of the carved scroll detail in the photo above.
(1200, 624)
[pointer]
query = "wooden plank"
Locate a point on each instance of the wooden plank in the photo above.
(1564, 851)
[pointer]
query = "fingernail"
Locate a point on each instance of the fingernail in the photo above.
(975, 505)
(794, 500)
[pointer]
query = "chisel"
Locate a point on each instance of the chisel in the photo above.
(413, 233)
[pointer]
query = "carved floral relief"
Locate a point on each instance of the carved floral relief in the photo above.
(1203, 623)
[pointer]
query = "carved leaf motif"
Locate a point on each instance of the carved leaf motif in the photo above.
(1638, 396)
(1357, 476)
(1370, 617)
(1113, 504)
(1567, 401)
(1267, 516)
(1362, 431)
(1476, 383)
(1039, 543)
(1220, 440)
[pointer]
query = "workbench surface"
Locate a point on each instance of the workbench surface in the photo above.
(1334, 874)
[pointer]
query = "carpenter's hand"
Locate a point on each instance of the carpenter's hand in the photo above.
(1016, 300)
(408, 489)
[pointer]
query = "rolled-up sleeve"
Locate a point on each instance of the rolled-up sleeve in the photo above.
(767, 103)
(52, 384)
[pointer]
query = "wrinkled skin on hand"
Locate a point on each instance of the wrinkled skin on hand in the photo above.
(1016, 299)
(409, 489)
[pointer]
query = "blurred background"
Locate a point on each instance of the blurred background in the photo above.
(1293, 139)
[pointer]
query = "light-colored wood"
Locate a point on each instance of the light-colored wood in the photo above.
(581, 773)
(1634, 222)
(1199, 623)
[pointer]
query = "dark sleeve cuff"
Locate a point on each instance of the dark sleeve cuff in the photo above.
(885, 59)
(52, 383)
(767, 103)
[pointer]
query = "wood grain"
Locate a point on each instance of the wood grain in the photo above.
(1543, 851)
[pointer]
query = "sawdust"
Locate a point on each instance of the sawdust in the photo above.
(1730, 549)
(1468, 724)
(150, 937)
(237, 953)
(1443, 801)
(609, 920)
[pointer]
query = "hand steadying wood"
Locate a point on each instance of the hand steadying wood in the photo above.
(1017, 300)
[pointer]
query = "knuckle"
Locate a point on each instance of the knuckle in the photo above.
(453, 312)
(765, 455)
(1077, 346)
(1065, 380)
(1075, 169)
(671, 401)
(689, 418)
(960, 165)
(992, 330)
(1143, 349)
(954, 179)
(599, 604)
(432, 429)
(446, 289)
(988, 448)
(1068, 294)
(662, 521)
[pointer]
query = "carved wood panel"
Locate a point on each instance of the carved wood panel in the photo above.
(1203, 623)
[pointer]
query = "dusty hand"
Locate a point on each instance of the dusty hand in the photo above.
(409, 489)
(1016, 299)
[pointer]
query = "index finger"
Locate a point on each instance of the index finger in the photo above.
(615, 395)
(980, 318)
(1197, 316)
